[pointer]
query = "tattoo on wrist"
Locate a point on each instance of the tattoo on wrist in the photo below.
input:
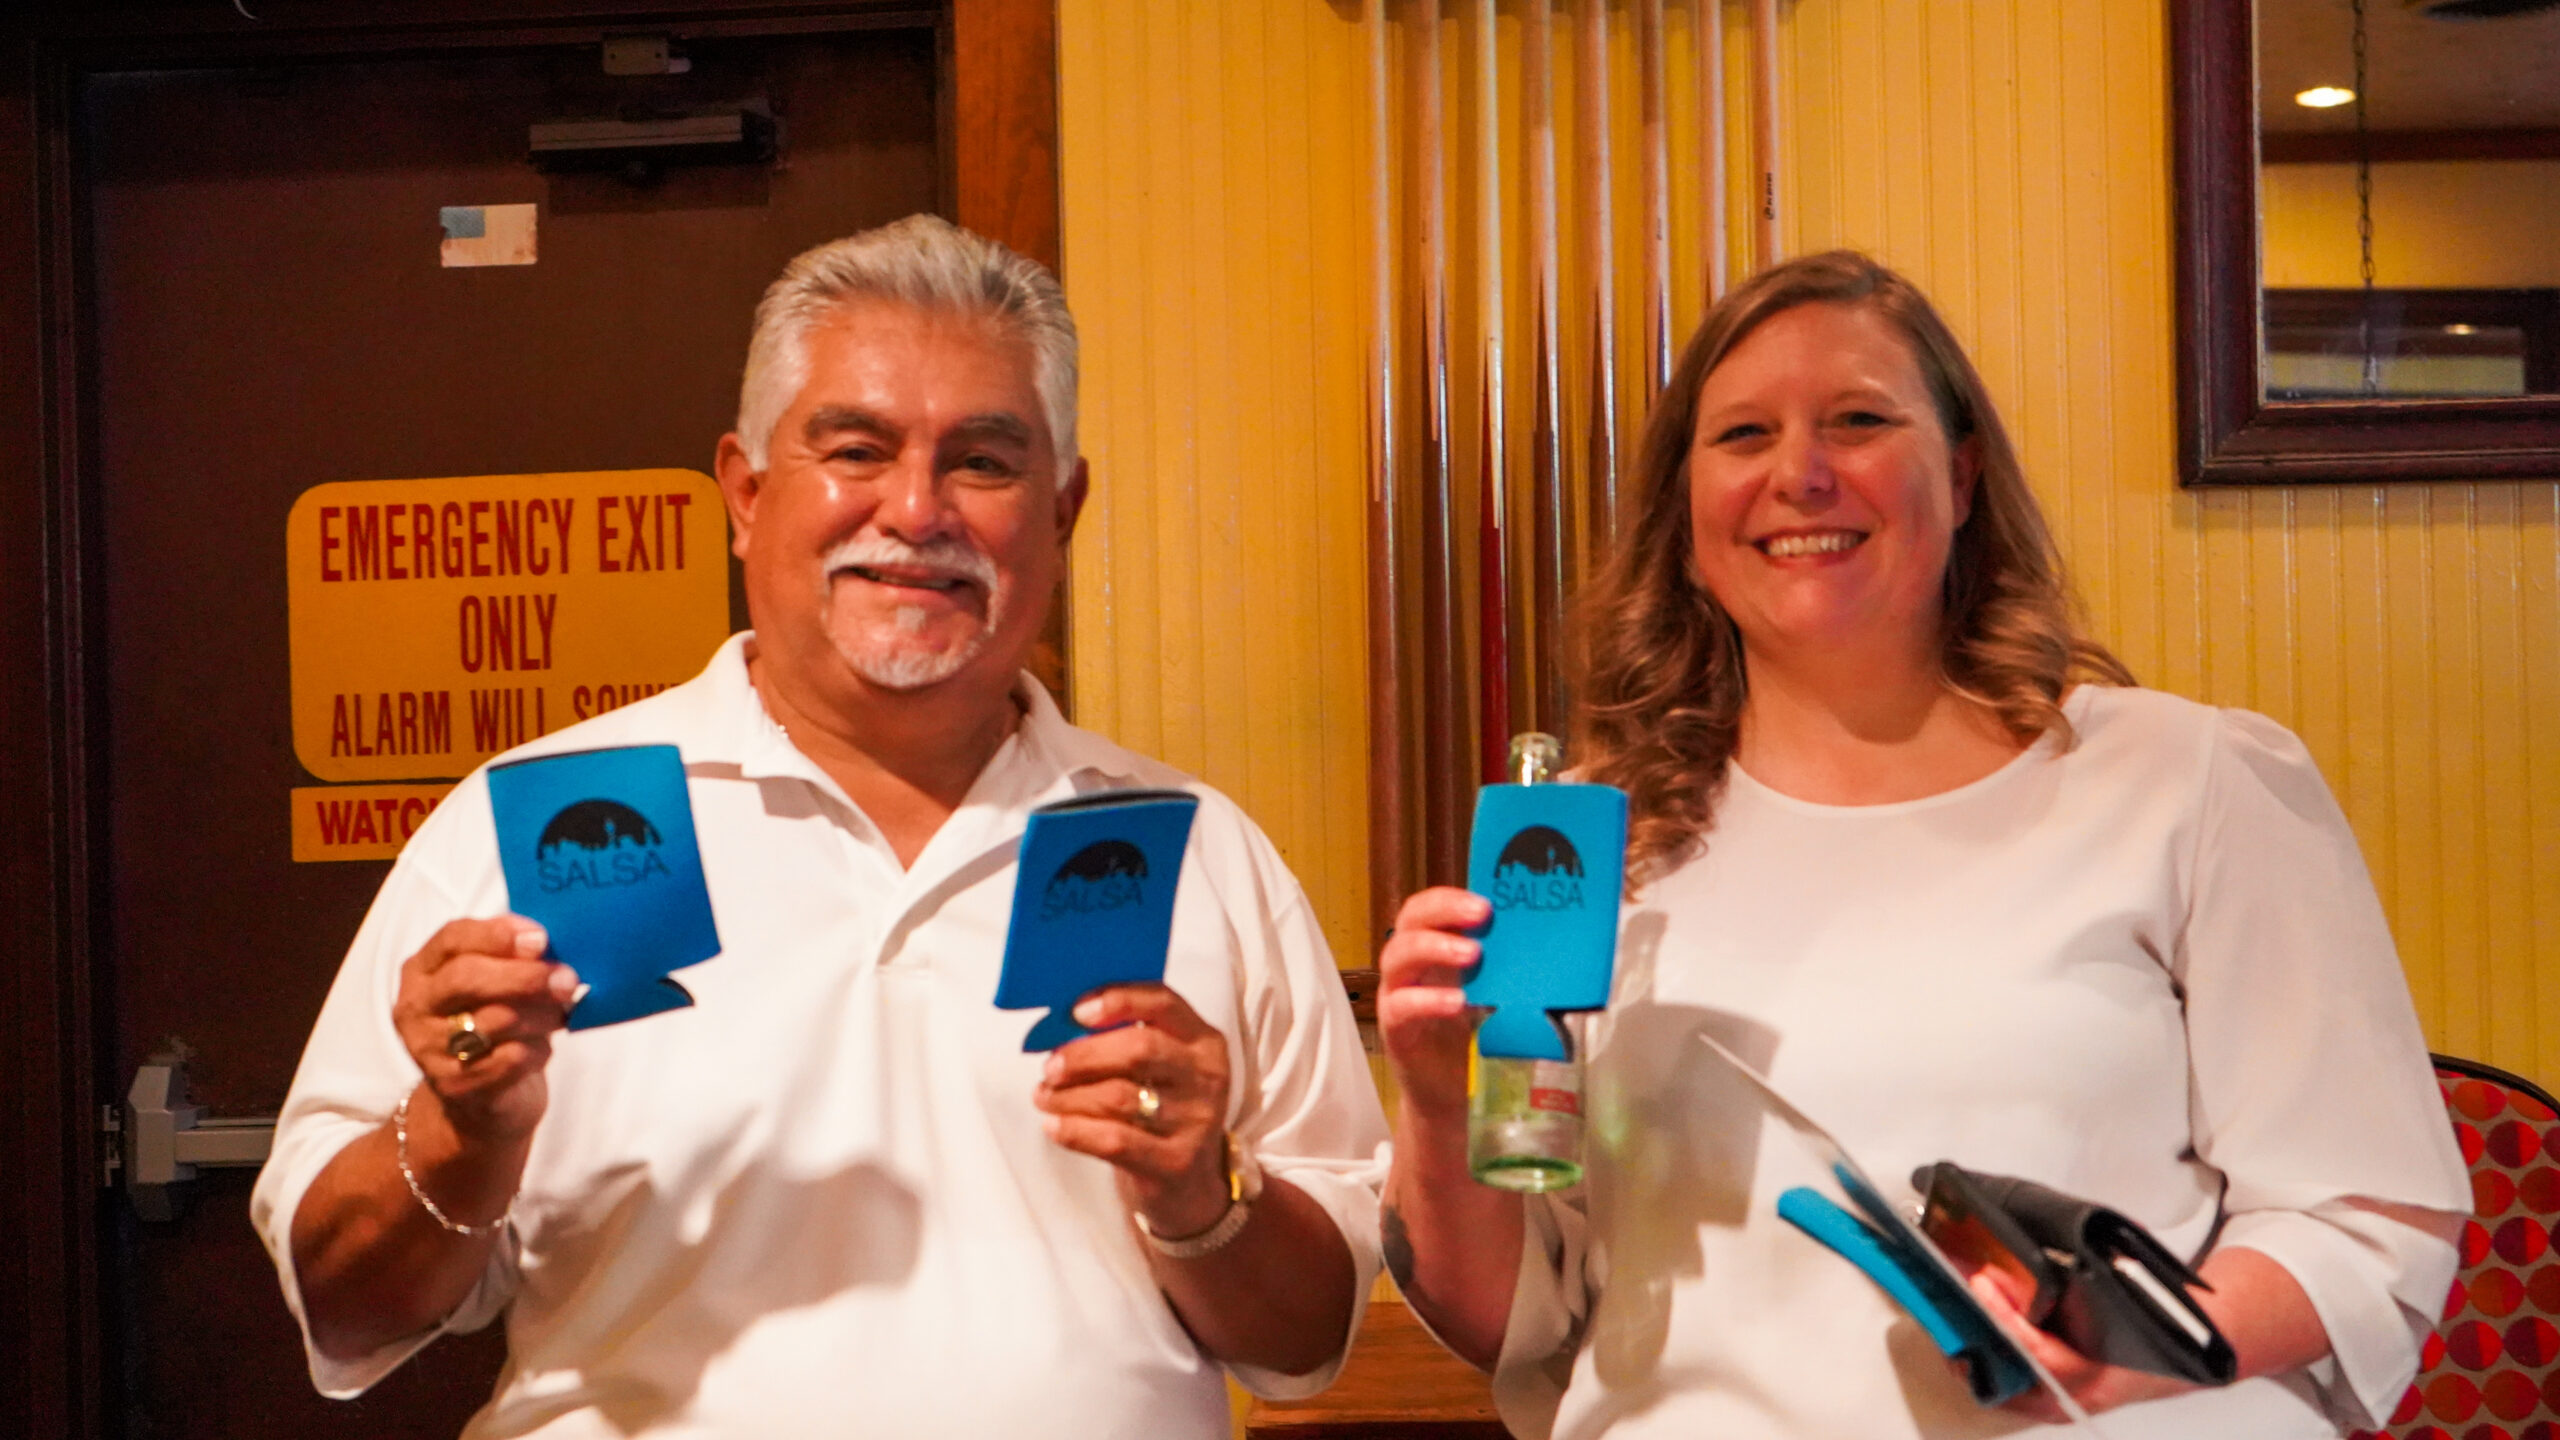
(1397, 1246)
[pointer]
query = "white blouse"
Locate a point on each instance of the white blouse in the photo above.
(2149, 970)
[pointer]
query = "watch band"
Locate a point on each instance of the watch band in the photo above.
(1215, 1238)
(1244, 1186)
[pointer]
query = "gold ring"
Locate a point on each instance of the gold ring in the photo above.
(1150, 1105)
(465, 1043)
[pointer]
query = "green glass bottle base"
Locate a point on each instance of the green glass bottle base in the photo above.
(1528, 1174)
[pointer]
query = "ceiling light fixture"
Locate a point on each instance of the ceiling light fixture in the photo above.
(2324, 97)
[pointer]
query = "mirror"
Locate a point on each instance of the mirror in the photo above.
(2368, 198)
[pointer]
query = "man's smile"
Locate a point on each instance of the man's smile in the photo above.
(909, 577)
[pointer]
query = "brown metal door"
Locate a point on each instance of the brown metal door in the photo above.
(270, 314)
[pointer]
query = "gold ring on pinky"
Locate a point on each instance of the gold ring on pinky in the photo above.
(1150, 1105)
(465, 1042)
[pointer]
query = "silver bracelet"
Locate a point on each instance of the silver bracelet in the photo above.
(400, 1140)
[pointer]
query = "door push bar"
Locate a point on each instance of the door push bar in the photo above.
(167, 1138)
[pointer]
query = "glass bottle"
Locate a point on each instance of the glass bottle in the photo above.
(1524, 1117)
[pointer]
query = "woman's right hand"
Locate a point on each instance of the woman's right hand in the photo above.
(1453, 1245)
(493, 971)
(1423, 1020)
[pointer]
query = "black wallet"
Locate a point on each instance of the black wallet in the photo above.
(2100, 1282)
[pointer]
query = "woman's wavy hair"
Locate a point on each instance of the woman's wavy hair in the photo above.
(1663, 680)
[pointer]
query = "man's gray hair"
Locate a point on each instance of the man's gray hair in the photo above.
(927, 262)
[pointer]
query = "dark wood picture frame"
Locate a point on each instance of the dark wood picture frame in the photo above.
(2228, 432)
(1001, 114)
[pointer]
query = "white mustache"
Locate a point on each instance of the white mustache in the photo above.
(946, 557)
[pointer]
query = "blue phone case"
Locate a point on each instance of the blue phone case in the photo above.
(1092, 902)
(1954, 1321)
(598, 847)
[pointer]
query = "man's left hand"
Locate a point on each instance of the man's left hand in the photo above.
(1149, 1095)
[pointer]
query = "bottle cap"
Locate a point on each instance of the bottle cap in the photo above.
(1535, 757)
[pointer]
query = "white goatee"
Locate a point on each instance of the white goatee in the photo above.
(888, 656)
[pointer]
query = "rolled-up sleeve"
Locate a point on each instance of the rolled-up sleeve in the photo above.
(353, 1073)
(1550, 1307)
(2343, 1254)
(2312, 1089)
(1311, 1113)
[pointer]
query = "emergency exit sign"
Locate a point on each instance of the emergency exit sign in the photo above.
(435, 623)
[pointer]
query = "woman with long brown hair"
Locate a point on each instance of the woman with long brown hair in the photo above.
(1910, 840)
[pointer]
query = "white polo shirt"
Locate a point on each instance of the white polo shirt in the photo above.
(818, 1201)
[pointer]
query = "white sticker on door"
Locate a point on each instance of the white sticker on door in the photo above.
(488, 234)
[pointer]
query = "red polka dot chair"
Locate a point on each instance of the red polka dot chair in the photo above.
(2492, 1369)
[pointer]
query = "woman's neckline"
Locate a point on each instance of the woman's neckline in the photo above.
(2075, 706)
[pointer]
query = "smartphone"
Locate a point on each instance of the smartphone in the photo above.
(1980, 1236)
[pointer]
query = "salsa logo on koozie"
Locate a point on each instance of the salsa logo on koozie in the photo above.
(1538, 869)
(1105, 875)
(1093, 894)
(1550, 858)
(598, 845)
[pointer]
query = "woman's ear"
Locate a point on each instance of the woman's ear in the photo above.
(1965, 474)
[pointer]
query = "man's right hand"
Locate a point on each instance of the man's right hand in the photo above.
(373, 1263)
(493, 971)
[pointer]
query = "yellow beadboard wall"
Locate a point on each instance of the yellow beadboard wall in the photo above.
(2470, 222)
(1212, 159)
(2012, 155)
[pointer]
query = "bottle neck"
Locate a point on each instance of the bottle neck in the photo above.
(1535, 758)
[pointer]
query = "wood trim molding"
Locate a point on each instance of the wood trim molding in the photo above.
(2330, 147)
(1005, 99)
(2228, 432)
(50, 1317)
(1002, 114)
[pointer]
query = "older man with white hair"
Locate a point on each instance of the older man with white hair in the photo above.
(833, 1196)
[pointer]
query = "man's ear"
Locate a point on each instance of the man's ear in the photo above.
(1071, 496)
(740, 484)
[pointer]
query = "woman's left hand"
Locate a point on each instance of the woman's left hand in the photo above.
(1148, 1094)
(2097, 1386)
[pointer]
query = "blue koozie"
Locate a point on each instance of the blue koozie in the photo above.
(1092, 902)
(1550, 858)
(598, 848)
